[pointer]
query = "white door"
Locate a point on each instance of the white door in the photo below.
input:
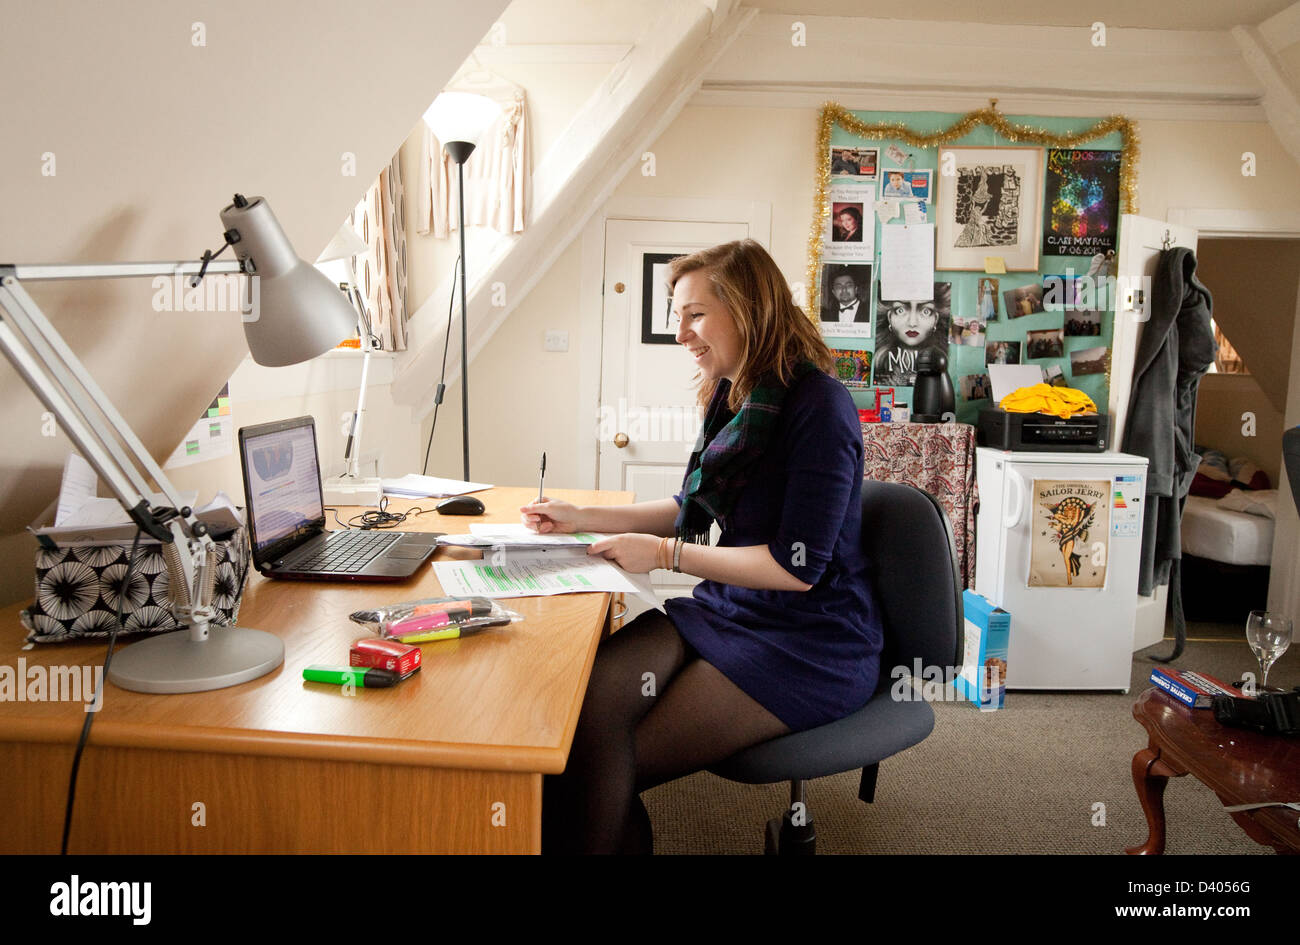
(648, 414)
(1141, 240)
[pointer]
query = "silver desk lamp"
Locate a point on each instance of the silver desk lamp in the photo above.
(291, 313)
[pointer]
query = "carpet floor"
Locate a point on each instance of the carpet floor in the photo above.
(1049, 773)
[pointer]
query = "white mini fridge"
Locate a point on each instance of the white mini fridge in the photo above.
(1058, 542)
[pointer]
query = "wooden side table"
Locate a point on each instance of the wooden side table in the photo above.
(1240, 766)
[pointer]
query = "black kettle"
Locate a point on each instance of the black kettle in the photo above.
(932, 393)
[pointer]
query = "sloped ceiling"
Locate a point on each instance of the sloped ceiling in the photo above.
(151, 114)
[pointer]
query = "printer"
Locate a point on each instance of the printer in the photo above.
(1007, 430)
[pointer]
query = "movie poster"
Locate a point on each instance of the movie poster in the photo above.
(1069, 544)
(1081, 214)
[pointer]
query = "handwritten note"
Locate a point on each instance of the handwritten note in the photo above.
(907, 261)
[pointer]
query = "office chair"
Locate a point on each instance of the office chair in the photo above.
(912, 565)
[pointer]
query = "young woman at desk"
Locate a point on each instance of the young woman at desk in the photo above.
(783, 633)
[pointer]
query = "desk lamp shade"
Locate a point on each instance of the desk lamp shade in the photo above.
(297, 312)
(460, 117)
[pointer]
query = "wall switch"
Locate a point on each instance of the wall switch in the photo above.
(556, 341)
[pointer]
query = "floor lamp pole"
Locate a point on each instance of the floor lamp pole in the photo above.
(464, 320)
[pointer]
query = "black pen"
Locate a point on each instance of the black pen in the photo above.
(541, 479)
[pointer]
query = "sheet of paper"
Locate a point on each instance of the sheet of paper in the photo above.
(78, 486)
(886, 210)
(532, 575)
(907, 262)
(519, 534)
(505, 536)
(995, 265)
(413, 485)
(1006, 378)
(212, 436)
(914, 211)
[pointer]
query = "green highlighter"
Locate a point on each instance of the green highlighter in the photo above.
(364, 677)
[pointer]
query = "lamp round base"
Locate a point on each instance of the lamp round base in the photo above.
(172, 662)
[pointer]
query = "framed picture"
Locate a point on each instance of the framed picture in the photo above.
(658, 323)
(991, 204)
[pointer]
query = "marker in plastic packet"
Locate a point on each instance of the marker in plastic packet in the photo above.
(455, 609)
(433, 634)
(430, 621)
(351, 675)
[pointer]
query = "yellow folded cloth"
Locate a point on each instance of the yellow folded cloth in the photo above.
(1063, 402)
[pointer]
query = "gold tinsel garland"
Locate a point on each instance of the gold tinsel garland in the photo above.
(832, 114)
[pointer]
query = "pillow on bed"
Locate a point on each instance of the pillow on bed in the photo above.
(1247, 475)
(1213, 481)
(1256, 502)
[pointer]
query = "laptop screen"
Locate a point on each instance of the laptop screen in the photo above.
(283, 481)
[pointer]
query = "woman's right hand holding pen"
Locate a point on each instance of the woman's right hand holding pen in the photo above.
(547, 516)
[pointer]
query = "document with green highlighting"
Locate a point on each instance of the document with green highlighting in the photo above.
(520, 575)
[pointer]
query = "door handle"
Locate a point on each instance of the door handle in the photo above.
(621, 440)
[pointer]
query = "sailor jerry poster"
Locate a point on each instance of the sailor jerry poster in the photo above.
(1069, 546)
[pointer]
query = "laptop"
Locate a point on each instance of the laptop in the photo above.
(286, 515)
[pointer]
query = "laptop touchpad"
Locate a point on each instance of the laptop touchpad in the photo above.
(407, 549)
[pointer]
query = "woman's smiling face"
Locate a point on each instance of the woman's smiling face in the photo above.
(706, 327)
(913, 322)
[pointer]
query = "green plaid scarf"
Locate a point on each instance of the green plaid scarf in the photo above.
(724, 455)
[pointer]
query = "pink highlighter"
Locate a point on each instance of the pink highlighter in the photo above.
(415, 624)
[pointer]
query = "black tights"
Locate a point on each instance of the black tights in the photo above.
(654, 711)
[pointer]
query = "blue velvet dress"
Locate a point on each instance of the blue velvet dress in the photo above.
(807, 657)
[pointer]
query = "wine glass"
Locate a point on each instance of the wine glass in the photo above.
(1269, 635)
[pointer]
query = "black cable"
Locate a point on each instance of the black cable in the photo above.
(442, 378)
(382, 518)
(90, 716)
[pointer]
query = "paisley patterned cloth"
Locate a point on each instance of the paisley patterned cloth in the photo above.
(78, 590)
(936, 457)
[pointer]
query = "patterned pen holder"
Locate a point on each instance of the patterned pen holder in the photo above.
(78, 590)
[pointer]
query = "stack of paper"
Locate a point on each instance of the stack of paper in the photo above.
(415, 486)
(517, 538)
(83, 518)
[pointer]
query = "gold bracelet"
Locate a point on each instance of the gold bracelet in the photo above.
(661, 555)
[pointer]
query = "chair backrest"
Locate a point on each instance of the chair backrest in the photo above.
(912, 565)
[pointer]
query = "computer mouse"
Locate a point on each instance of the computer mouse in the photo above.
(460, 505)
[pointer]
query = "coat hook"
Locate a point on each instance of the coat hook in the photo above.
(1167, 241)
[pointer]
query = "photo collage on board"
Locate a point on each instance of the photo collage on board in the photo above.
(1021, 253)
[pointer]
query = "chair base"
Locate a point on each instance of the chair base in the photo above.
(784, 838)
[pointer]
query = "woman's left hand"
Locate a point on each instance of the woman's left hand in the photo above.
(631, 552)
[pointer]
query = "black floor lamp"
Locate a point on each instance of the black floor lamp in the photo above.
(457, 120)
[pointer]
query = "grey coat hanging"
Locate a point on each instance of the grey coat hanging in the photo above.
(1176, 349)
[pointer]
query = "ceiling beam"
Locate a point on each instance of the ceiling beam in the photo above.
(1281, 104)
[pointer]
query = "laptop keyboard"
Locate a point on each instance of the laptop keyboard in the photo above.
(347, 552)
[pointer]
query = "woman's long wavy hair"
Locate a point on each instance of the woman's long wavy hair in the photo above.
(775, 334)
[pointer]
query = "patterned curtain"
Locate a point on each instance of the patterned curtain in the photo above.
(380, 220)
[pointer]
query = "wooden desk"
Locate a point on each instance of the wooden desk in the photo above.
(449, 761)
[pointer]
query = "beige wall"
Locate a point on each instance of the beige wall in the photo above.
(151, 135)
(1253, 283)
(1233, 415)
(523, 400)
